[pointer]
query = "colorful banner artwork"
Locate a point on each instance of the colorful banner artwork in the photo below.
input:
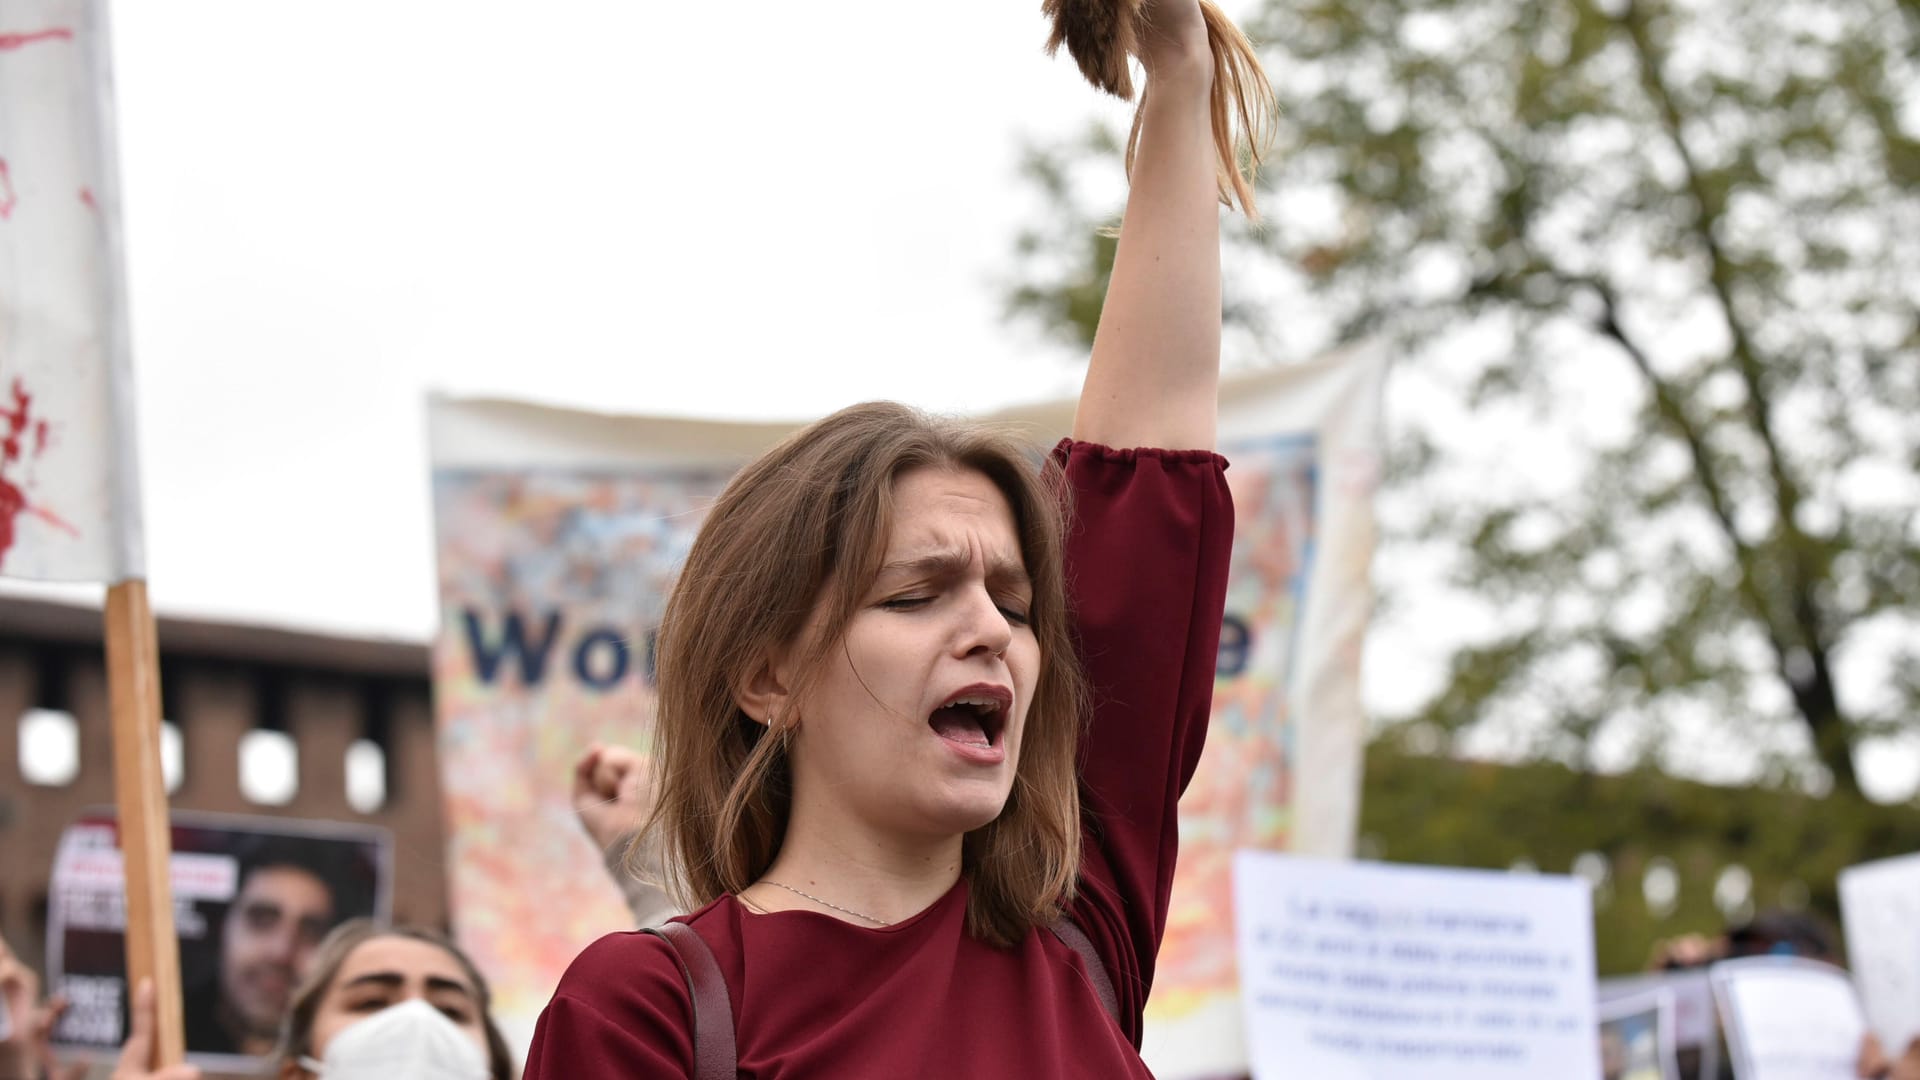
(550, 583)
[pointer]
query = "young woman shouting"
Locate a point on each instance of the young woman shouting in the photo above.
(925, 715)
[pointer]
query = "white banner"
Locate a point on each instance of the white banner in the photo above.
(68, 490)
(559, 532)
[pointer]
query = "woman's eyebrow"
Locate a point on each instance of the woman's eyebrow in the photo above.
(436, 982)
(1000, 570)
(393, 980)
(376, 978)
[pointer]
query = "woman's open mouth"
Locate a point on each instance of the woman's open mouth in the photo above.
(975, 716)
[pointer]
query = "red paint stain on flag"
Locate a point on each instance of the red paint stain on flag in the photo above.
(55, 520)
(86, 197)
(7, 197)
(13, 501)
(16, 421)
(28, 37)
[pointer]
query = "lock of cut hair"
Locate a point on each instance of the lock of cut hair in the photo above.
(1101, 34)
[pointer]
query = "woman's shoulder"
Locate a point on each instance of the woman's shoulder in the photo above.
(622, 1008)
(625, 965)
(641, 963)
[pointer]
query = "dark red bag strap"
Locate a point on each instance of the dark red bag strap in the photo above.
(713, 1048)
(1074, 938)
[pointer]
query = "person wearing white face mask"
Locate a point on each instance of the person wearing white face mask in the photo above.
(390, 1003)
(408, 1039)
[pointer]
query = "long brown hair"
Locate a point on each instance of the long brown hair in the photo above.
(296, 1034)
(807, 526)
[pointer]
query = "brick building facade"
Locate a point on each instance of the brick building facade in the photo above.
(220, 682)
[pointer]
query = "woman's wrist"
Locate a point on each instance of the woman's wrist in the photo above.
(1186, 69)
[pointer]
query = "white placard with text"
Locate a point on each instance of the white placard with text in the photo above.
(1368, 971)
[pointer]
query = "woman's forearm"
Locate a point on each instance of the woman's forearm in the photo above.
(1155, 372)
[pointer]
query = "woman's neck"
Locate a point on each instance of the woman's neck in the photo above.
(857, 874)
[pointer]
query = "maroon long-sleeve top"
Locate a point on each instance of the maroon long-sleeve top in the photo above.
(1146, 563)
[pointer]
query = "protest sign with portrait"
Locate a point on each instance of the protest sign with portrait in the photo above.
(253, 897)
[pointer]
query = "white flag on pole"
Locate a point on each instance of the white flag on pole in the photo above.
(69, 504)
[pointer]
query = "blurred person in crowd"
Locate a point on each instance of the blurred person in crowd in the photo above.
(915, 850)
(1784, 933)
(386, 1003)
(290, 893)
(1774, 932)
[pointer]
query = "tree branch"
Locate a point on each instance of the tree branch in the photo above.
(1706, 224)
(1813, 692)
(1813, 689)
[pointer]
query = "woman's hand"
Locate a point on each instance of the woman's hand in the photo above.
(138, 1049)
(1173, 43)
(1872, 1063)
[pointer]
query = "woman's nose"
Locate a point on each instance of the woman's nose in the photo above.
(988, 629)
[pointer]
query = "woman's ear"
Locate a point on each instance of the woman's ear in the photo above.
(765, 694)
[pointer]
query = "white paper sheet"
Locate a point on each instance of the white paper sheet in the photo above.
(1789, 1019)
(1880, 903)
(1376, 972)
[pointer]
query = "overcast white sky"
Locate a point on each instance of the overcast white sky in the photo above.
(757, 210)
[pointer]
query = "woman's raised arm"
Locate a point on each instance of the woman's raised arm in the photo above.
(1154, 379)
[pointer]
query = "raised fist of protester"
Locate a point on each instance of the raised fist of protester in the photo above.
(137, 1051)
(612, 792)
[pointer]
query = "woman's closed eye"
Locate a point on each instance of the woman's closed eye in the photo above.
(366, 1003)
(906, 603)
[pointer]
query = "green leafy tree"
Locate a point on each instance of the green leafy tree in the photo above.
(1677, 240)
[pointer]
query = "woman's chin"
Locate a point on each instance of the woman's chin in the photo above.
(961, 815)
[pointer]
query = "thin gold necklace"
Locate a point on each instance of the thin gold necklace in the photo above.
(825, 903)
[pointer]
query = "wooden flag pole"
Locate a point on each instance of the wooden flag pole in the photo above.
(146, 837)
